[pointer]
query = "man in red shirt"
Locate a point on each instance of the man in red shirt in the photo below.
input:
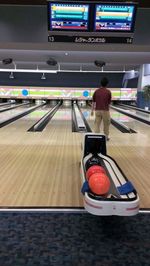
(100, 103)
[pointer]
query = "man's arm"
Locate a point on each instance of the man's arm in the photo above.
(93, 104)
(110, 96)
(93, 108)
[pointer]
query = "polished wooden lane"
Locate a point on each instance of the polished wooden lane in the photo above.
(26, 121)
(42, 169)
(133, 158)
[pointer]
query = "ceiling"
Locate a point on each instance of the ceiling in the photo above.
(73, 57)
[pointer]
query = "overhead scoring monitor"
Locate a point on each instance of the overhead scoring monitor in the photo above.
(68, 16)
(114, 17)
(91, 21)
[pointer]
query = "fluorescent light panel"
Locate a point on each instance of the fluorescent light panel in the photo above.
(27, 70)
(56, 71)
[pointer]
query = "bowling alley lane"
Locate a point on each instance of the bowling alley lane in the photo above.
(10, 113)
(42, 168)
(136, 125)
(6, 105)
(62, 118)
(27, 121)
(130, 122)
(87, 114)
(143, 115)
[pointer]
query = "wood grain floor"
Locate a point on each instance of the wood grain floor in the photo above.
(42, 169)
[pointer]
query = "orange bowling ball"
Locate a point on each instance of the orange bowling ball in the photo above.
(94, 169)
(99, 183)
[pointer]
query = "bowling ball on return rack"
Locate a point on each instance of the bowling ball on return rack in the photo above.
(99, 183)
(94, 169)
(94, 160)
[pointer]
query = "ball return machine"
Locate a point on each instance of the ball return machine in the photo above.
(122, 198)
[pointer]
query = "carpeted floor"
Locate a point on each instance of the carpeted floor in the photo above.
(73, 239)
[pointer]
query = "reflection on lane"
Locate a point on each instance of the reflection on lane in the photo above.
(60, 120)
(120, 117)
(114, 114)
(129, 122)
(62, 114)
(126, 120)
(136, 112)
(86, 111)
(37, 114)
(87, 114)
(6, 105)
(30, 119)
(13, 112)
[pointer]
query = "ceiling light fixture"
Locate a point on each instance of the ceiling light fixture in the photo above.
(43, 76)
(11, 76)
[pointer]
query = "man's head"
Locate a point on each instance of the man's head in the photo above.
(104, 82)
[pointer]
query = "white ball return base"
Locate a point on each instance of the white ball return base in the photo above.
(116, 202)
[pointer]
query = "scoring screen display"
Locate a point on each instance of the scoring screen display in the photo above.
(69, 16)
(114, 17)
